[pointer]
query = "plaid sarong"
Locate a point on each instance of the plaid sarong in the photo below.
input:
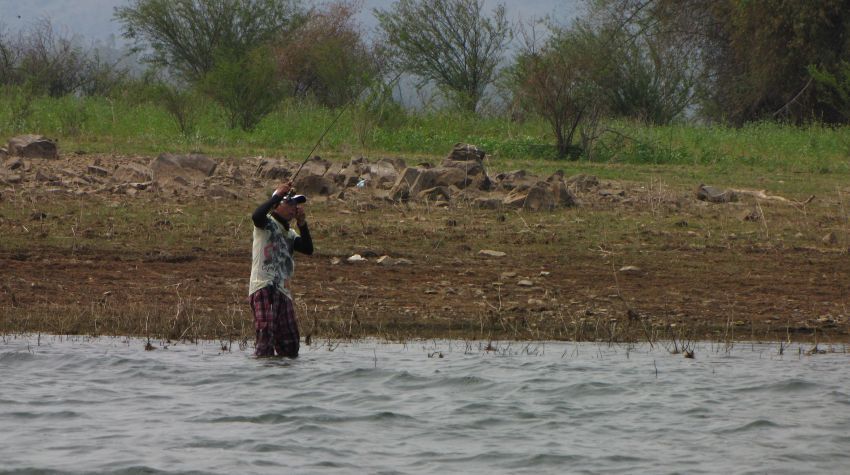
(275, 323)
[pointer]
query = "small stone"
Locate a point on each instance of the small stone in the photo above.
(95, 170)
(631, 270)
(830, 238)
(525, 283)
(508, 275)
(491, 253)
(386, 261)
(335, 261)
(544, 273)
(355, 259)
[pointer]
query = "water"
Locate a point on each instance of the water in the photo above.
(105, 405)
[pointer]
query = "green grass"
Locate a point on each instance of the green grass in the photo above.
(715, 154)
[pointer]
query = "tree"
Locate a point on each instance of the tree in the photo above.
(557, 83)
(449, 42)
(326, 57)
(185, 35)
(50, 63)
(645, 73)
(246, 85)
(754, 55)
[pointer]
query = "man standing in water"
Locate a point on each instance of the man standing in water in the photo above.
(272, 267)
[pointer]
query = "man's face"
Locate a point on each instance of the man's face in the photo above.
(286, 210)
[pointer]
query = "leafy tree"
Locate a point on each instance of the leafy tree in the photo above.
(245, 85)
(449, 42)
(326, 57)
(49, 63)
(646, 74)
(834, 88)
(185, 35)
(754, 54)
(557, 83)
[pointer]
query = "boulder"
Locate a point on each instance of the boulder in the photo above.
(132, 173)
(401, 190)
(274, 170)
(14, 163)
(465, 152)
(514, 179)
(474, 173)
(563, 196)
(33, 146)
(715, 195)
(535, 198)
(582, 182)
(184, 170)
(484, 202)
(381, 174)
(97, 171)
(314, 166)
(438, 193)
(315, 185)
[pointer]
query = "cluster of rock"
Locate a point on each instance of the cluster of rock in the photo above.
(461, 176)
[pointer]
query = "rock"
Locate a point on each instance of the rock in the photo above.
(382, 174)
(465, 152)
(14, 164)
(563, 196)
(612, 193)
(12, 179)
(582, 182)
(830, 238)
(96, 170)
(525, 283)
(3, 153)
(487, 203)
(715, 195)
(184, 170)
(33, 146)
(536, 198)
(514, 179)
(43, 177)
(403, 188)
(356, 258)
(316, 165)
(753, 215)
(273, 170)
(314, 185)
(630, 270)
(386, 261)
(132, 173)
(491, 253)
(438, 193)
(218, 191)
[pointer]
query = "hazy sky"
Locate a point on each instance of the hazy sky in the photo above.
(93, 18)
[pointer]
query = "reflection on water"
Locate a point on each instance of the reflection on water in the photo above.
(72, 404)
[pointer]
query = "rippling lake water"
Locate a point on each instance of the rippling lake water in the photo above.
(73, 404)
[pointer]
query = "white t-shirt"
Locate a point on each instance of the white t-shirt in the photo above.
(271, 257)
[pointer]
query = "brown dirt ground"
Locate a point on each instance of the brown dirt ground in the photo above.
(704, 273)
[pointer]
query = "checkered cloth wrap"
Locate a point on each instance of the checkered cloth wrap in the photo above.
(275, 323)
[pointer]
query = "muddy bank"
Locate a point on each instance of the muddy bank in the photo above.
(627, 261)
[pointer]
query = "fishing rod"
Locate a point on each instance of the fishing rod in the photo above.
(321, 137)
(329, 127)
